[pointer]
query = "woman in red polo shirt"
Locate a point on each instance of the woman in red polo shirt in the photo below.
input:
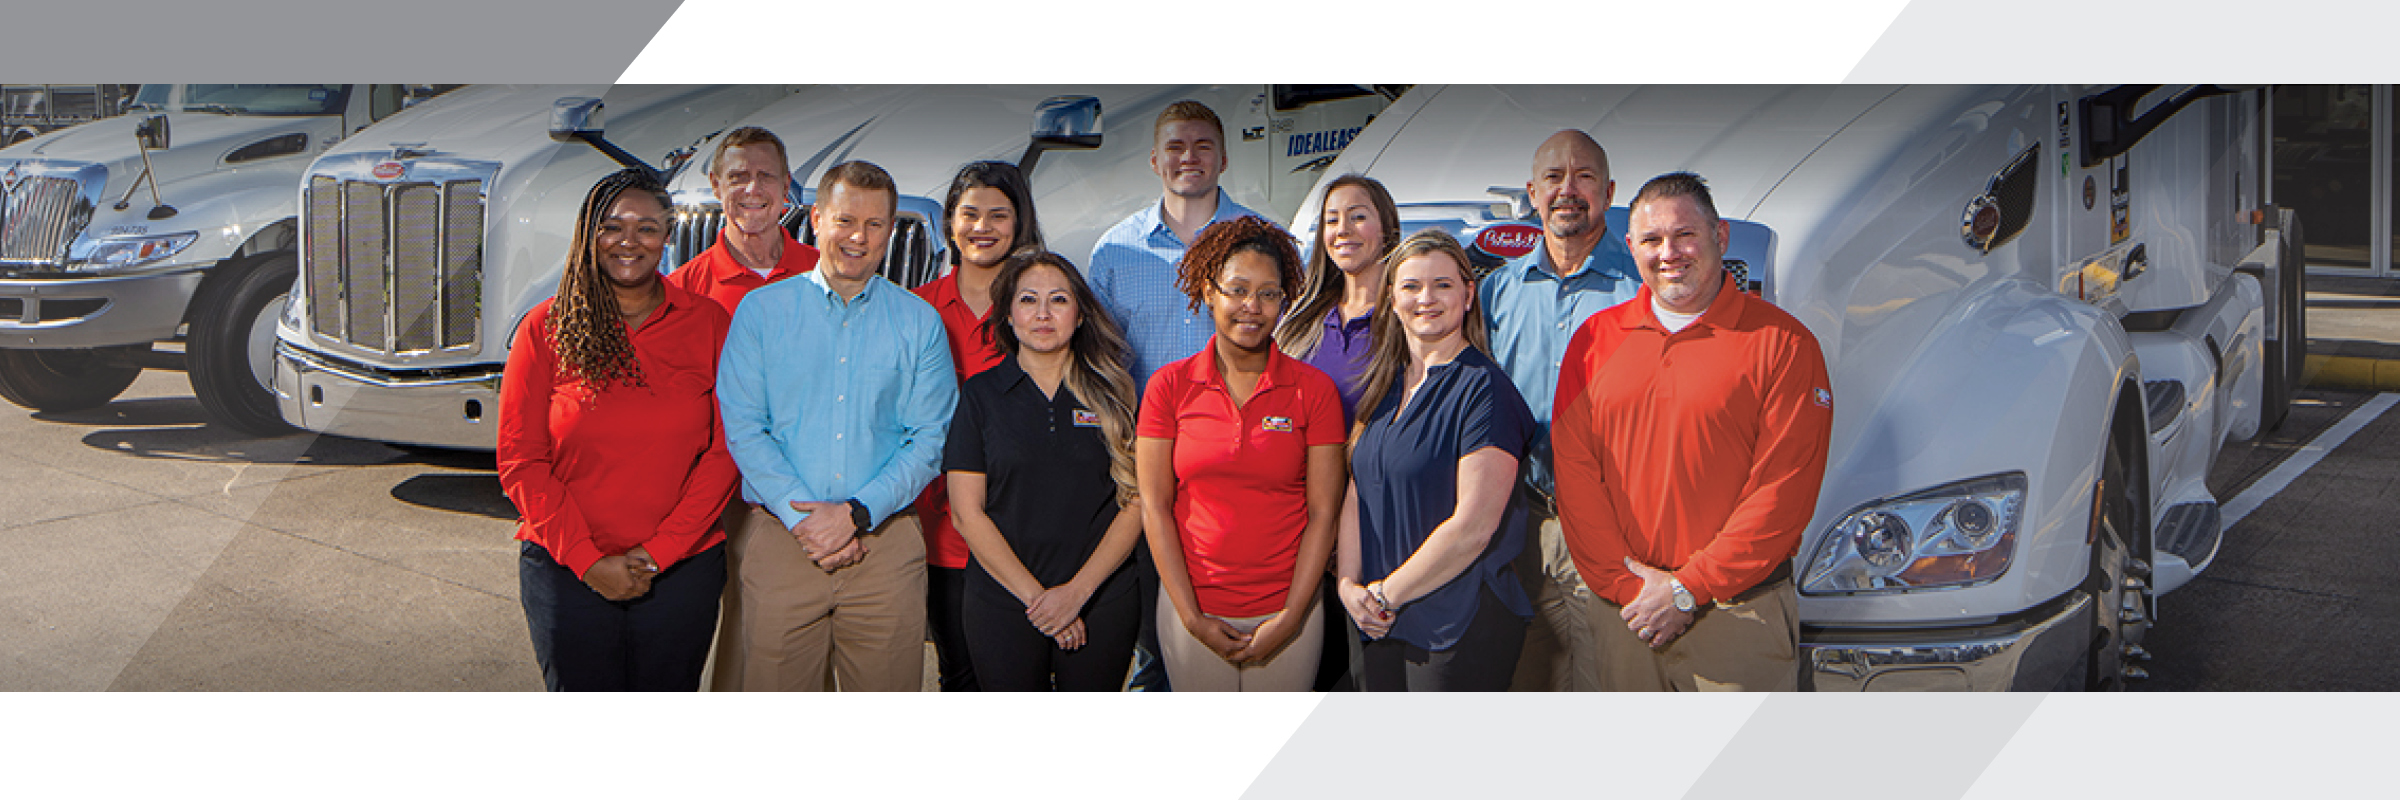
(987, 215)
(1239, 458)
(609, 445)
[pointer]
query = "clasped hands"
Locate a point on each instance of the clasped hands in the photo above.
(622, 577)
(1057, 613)
(827, 535)
(1245, 649)
(1372, 617)
(1652, 616)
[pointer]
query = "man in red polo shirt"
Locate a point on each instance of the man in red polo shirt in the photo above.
(753, 184)
(1690, 433)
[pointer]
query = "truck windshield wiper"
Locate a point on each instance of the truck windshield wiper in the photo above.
(215, 108)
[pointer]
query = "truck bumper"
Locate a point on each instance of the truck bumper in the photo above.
(94, 312)
(457, 408)
(2028, 654)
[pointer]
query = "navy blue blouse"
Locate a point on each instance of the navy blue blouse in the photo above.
(1406, 468)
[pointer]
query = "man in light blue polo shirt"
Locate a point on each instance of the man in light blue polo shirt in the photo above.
(1534, 307)
(837, 390)
(1132, 272)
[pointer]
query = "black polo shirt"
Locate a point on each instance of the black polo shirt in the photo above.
(1045, 467)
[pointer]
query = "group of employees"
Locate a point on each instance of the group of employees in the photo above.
(1197, 462)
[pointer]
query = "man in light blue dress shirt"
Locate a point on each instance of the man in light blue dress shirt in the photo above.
(1534, 307)
(1132, 272)
(837, 391)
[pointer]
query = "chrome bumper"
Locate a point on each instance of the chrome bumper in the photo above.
(94, 312)
(459, 409)
(2026, 655)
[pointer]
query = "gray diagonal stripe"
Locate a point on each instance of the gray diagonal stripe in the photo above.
(1927, 747)
(429, 41)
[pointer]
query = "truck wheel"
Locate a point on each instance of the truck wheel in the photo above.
(232, 352)
(63, 380)
(2119, 582)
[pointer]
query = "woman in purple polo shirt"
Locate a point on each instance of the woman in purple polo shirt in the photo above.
(1328, 328)
(1431, 526)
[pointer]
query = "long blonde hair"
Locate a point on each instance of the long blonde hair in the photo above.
(1098, 376)
(1391, 346)
(1322, 288)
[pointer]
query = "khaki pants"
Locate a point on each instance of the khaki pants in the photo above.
(1195, 668)
(1559, 654)
(1747, 644)
(794, 627)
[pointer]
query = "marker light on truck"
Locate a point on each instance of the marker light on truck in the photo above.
(1945, 537)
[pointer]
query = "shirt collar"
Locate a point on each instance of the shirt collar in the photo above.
(1334, 320)
(1608, 263)
(816, 278)
(1724, 312)
(1157, 215)
(725, 267)
(1279, 368)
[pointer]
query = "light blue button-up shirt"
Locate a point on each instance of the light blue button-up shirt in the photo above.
(1132, 271)
(1533, 313)
(828, 401)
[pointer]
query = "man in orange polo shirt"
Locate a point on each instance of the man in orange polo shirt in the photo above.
(753, 183)
(1690, 434)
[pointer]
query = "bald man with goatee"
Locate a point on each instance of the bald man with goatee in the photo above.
(1535, 303)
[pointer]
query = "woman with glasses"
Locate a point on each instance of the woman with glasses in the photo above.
(1239, 459)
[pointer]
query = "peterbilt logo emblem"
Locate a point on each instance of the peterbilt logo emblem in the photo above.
(8, 182)
(389, 170)
(1508, 241)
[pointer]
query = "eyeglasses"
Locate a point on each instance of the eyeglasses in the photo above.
(1269, 296)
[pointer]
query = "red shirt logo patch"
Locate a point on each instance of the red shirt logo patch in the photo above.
(1276, 424)
(1824, 398)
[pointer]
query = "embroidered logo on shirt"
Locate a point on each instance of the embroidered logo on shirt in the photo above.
(1086, 419)
(1824, 398)
(1276, 424)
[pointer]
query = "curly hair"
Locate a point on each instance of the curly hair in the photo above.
(584, 324)
(1219, 243)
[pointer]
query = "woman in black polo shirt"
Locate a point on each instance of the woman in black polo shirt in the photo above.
(1040, 464)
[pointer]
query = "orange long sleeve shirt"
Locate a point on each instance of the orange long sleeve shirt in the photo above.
(1698, 452)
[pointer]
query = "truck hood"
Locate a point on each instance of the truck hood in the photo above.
(199, 144)
(507, 122)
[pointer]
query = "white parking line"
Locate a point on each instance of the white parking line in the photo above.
(2307, 456)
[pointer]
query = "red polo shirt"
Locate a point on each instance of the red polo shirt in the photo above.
(715, 275)
(972, 350)
(1241, 473)
(1698, 452)
(596, 473)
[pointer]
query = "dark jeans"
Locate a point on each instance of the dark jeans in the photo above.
(1483, 659)
(657, 642)
(1011, 656)
(945, 596)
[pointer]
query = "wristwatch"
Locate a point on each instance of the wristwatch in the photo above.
(860, 517)
(1683, 596)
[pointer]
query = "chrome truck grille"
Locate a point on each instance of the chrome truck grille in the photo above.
(45, 208)
(912, 260)
(395, 267)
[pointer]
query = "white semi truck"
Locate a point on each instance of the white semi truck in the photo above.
(173, 223)
(423, 245)
(2044, 309)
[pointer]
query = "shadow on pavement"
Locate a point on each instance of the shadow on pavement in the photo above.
(465, 494)
(139, 411)
(214, 443)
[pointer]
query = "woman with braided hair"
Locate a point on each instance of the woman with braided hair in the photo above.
(610, 446)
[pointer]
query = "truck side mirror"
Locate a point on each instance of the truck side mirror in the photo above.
(152, 132)
(575, 118)
(1065, 122)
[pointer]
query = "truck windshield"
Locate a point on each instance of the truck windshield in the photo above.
(263, 99)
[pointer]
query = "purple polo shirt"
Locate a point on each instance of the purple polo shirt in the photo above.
(1343, 354)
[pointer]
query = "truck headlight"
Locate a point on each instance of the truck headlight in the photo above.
(1944, 537)
(109, 255)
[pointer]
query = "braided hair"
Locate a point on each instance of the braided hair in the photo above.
(584, 324)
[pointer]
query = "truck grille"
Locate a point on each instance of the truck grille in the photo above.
(41, 217)
(395, 268)
(911, 261)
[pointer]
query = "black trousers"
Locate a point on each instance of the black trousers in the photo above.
(1483, 659)
(945, 596)
(1149, 671)
(1011, 656)
(657, 642)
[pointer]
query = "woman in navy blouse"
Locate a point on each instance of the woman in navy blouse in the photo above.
(1040, 464)
(1431, 525)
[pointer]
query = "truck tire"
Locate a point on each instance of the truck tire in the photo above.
(2287, 354)
(232, 348)
(2119, 579)
(64, 380)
